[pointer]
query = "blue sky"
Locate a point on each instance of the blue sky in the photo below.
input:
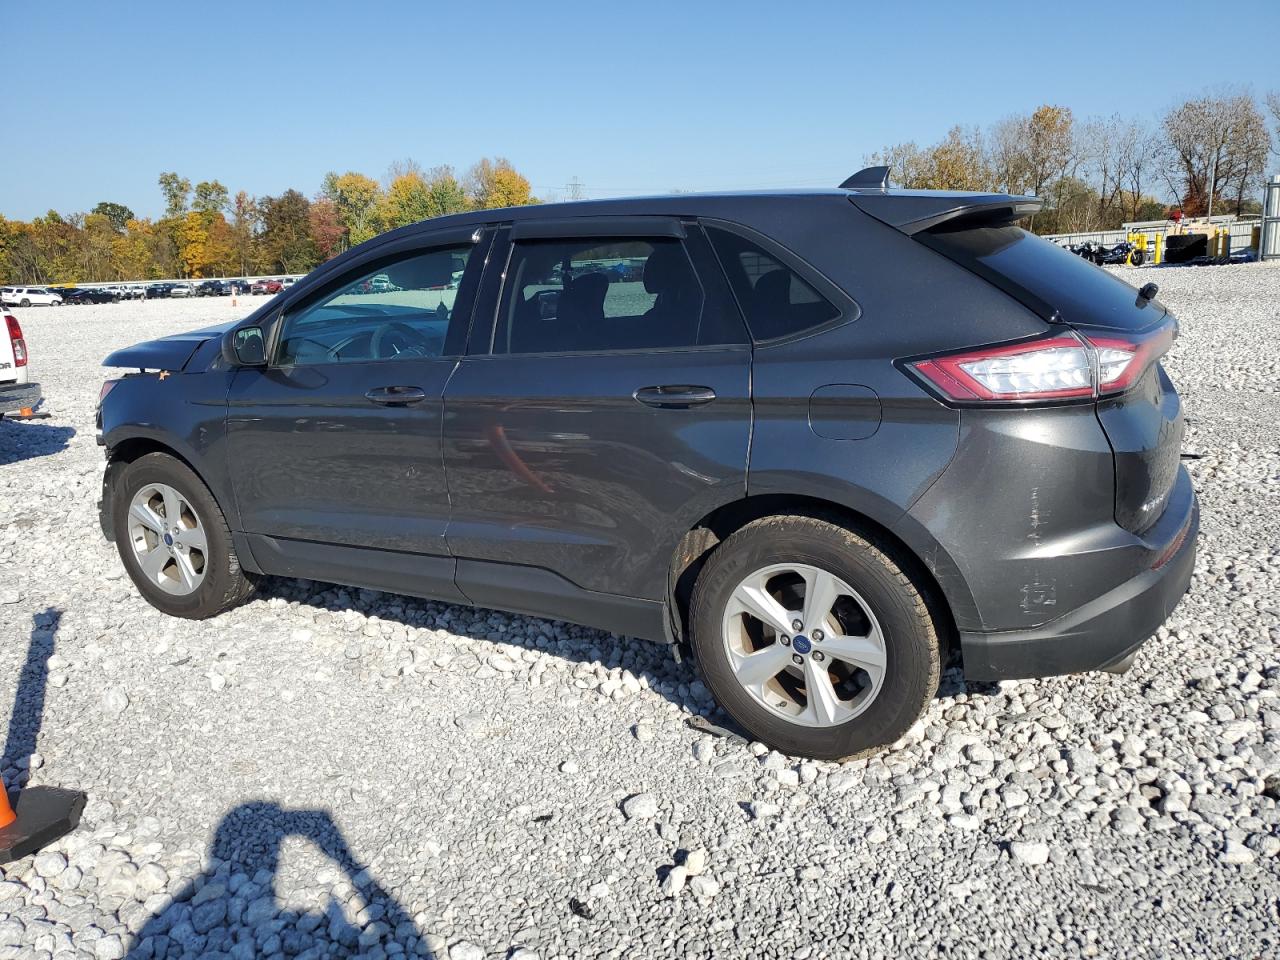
(626, 97)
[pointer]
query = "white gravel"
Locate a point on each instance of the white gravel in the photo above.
(328, 772)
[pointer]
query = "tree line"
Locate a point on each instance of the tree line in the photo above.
(1208, 154)
(206, 232)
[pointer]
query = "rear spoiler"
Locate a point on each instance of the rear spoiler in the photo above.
(913, 211)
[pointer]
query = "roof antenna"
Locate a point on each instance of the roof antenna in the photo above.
(869, 178)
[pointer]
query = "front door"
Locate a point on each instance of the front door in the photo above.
(335, 446)
(604, 407)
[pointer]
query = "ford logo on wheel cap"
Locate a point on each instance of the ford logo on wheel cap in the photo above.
(168, 540)
(801, 644)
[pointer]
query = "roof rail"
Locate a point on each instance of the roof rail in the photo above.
(868, 178)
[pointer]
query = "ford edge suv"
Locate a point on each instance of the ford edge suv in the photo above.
(822, 440)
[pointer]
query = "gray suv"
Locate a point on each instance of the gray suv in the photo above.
(824, 440)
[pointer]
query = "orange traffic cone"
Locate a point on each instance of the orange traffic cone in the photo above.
(35, 817)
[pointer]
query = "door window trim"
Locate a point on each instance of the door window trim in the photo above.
(849, 308)
(494, 294)
(464, 302)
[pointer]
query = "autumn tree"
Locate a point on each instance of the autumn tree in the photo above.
(245, 221)
(356, 198)
(407, 200)
(446, 193)
(327, 231)
(286, 241)
(495, 183)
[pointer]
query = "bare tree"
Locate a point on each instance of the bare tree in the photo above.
(1273, 107)
(1219, 146)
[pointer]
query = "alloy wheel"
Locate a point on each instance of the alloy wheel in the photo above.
(168, 539)
(804, 644)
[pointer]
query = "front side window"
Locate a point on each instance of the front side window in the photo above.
(591, 295)
(397, 311)
(776, 300)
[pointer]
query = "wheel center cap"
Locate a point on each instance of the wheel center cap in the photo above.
(801, 644)
(168, 540)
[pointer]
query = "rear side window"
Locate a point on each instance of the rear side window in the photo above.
(776, 301)
(593, 295)
(1043, 276)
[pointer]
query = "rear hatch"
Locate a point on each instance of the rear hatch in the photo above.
(1141, 413)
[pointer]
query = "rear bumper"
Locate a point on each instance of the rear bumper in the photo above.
(1098, 635)
(18, 396)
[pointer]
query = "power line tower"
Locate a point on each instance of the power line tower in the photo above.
(574, 190)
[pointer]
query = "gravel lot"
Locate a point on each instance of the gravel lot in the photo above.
(329, 772)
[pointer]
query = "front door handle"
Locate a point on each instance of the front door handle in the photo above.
(396, 396)
(678, 396)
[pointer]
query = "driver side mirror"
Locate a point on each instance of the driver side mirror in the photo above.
(245, 347)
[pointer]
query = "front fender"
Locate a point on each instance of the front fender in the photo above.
(184, 414)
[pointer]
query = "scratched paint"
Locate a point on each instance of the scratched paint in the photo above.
(1039, 592)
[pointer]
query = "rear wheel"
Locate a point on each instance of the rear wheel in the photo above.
(174, 541)
(813, 638)
(24, 302)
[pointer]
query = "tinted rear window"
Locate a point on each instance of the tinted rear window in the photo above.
(776, 300)
(1044, 276)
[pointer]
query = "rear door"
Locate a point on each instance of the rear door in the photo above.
(603, 407)
(335, 446)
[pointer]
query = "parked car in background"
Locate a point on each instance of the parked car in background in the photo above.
(17, 391)
(83, 295)
(831, 439)
(29, 297)
(288, 282)
(212, 288)
(266, 287)
(182, 290)
(158, 290)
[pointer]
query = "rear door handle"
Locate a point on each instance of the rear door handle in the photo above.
(678, 396)
(396, 396)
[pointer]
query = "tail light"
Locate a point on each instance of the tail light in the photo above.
(1063, 367)
(15, 340)
(107, 387)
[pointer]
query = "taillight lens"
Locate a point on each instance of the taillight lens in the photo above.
(15, 340)
(1063, 367)
(107, 387)
(1041, 370)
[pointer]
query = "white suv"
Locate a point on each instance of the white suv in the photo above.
(16, 391)
(29, 297)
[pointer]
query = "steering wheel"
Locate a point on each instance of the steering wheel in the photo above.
(395, 339)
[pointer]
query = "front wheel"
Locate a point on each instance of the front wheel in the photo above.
(174, 541)
(813, 637)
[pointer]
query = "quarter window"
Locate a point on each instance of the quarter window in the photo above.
(776, 300)
(399, 311)
(590, 295)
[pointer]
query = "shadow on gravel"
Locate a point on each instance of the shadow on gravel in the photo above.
(28, 701)
(233, 910)
(652, 661)
(30, 439)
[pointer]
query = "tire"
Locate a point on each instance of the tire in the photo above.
(223, 583)
(881, 608)
(1137, 258)
(24, 302)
